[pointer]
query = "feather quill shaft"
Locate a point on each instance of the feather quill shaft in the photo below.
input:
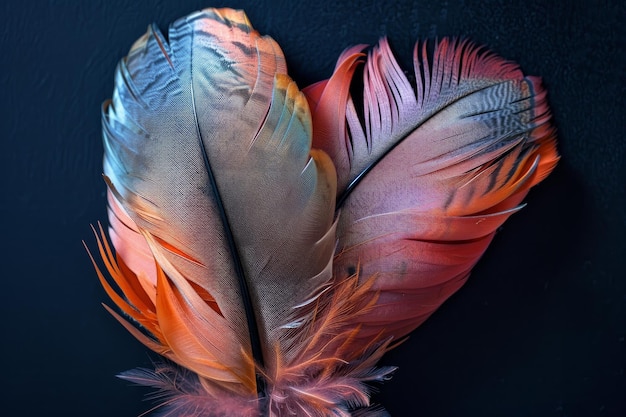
(255, 338)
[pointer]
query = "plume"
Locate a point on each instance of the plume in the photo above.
(426, 173)
(271, 244)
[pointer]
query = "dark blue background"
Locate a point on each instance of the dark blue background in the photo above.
(538, 330)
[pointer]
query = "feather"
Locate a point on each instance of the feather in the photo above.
(272, 245)
(222, 217)
(426, 173)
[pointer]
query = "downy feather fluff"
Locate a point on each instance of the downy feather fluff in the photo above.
(271, 244)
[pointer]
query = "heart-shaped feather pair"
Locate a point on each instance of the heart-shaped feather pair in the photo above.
(274, 244)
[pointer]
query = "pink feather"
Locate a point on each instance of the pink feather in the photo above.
(428, 173)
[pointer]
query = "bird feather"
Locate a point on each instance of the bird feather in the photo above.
(426, 173)
(272, 244)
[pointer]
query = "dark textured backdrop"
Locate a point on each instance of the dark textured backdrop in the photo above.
(539, 329)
